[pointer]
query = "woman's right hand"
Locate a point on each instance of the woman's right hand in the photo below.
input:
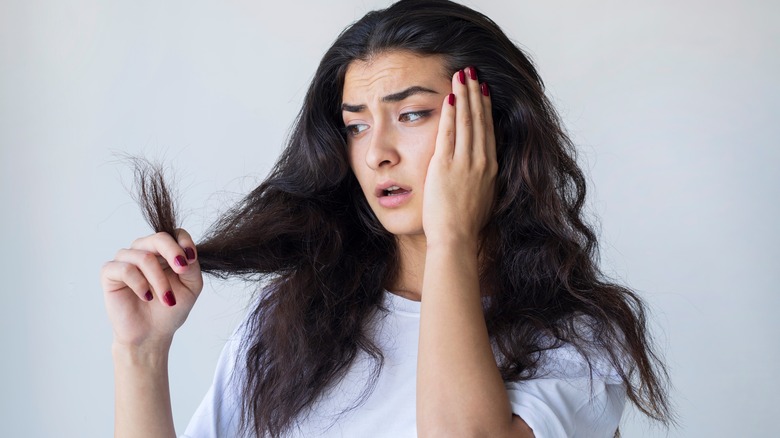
(150, 288)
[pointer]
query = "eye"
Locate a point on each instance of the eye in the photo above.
(414, 116)
(355, 129)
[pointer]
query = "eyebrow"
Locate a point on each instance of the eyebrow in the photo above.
(395, 97)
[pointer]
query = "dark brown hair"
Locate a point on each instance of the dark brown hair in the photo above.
(309, 234)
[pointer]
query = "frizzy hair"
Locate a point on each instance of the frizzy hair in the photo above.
(309, 234)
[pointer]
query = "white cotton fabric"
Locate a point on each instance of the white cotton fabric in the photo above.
(562, 402)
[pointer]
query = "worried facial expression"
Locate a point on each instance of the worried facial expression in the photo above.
(391, 109)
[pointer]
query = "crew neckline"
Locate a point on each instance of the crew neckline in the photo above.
(400, 304)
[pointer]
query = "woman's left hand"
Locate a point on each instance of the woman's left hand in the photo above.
(460, 184)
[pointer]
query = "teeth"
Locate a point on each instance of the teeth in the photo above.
(389, 191)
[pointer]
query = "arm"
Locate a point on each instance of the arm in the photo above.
(149, 290)
(142, 401)
(459, 388)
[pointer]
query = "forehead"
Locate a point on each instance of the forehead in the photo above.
(391, 72)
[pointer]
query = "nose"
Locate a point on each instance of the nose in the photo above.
(382, 149)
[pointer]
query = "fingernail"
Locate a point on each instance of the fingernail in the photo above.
(473, 73)
(451, 99)
(190, 253)
(461, 76)
(180, 261)
(485, 90)
(148, 295)
(169, 298)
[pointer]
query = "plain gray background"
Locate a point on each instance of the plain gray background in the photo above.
(674, 105)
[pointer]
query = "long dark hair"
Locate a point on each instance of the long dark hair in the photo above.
(308, 232)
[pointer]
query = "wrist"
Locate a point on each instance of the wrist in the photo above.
(145, 356)
(452, 242)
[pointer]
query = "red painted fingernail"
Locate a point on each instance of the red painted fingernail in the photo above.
(451, 99)
(485, 90)
(180, 261)
(461, 76)
(169, 298)
(190, 253)
(148, 295)
(473, 73)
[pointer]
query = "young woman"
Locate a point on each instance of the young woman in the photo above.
(424, 263)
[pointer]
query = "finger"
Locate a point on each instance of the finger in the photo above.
(463, 119)
(185, 241)
(445, 136)
(152, 268)
(164, 244)
(477, 110)
(116, 276)
(490, 130)
(192, 277)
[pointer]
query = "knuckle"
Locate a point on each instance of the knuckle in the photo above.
(107, 266)
(126, 270)
(149, 259)
(467, 121)
(493, 169)
(182, 234)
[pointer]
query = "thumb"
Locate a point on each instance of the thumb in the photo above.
(191, 277)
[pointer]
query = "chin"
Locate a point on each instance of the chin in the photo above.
(401, 223)
(401, 229)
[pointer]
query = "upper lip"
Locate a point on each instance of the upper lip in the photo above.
(380, 188)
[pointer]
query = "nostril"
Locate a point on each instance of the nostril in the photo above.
(381, 152)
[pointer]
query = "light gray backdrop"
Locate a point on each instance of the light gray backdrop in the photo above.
(674, 105)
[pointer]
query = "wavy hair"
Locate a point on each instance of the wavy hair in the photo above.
(308, 232)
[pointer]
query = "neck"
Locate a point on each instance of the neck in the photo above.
(411, 259)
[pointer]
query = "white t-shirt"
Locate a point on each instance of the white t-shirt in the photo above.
(562, 402)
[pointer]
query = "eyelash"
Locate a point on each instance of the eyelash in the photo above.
(351, 129)
(358, 128)
(420, 115)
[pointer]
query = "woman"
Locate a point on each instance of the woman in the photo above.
(425, 266)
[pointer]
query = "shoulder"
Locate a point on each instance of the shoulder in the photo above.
(573, 393)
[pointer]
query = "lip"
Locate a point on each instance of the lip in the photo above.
(379, 192)
(392, 201)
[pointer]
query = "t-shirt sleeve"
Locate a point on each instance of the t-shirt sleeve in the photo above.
(218, 413)
(566, 401)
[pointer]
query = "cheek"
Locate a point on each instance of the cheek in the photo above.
(358, 170)
(352, 160)
(423, 143)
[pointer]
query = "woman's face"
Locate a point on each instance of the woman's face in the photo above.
(391, 109)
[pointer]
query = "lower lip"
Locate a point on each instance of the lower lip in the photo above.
(393, 201)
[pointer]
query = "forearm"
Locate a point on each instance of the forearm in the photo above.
(142, 396)
(459, 388)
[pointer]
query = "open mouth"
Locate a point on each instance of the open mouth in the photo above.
(394, 191)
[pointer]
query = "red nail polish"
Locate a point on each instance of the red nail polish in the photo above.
(461, 76)
(485, 90)
(190, 253)
(451, 99)
(180, 261)
(473, 73)
(148, 295)
(169, 298)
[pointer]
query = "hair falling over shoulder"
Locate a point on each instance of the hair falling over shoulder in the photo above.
(309, 233)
